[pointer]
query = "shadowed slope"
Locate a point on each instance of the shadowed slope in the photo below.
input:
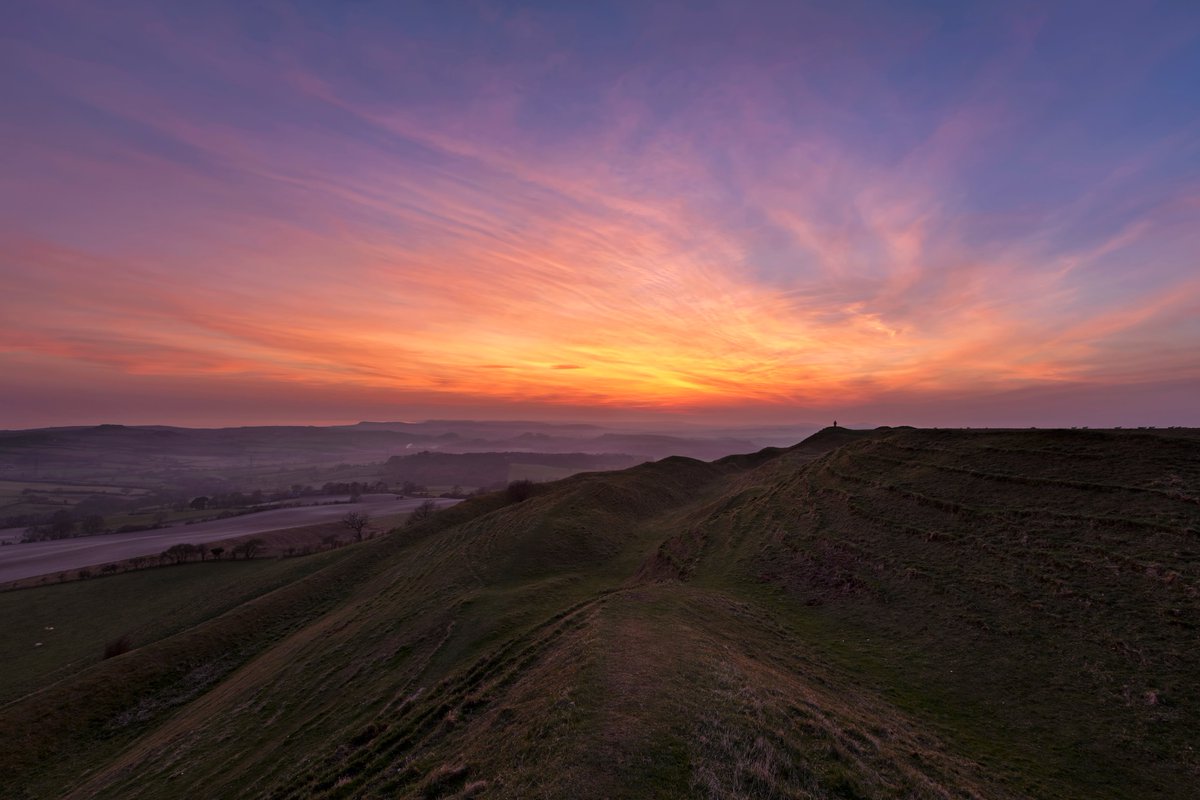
(1035, 594)
(911, 614)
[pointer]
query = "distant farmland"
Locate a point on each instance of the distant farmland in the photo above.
(55, 556)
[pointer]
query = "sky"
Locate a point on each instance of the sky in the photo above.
(931, 213)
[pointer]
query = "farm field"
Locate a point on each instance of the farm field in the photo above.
(31, 559)
(34, 497)
(55, 630)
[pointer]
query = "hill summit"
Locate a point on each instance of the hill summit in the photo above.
(889, 613)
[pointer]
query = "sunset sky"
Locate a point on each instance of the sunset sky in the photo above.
(228, 213)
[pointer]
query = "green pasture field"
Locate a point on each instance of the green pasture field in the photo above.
(48, 632)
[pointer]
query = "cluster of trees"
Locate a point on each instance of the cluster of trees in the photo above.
(227, 500)
(63, 524)
(355, 488)
(176, 554)
(357, 522)
(101, 504)
(181, 553)
(21, 520)
(217, 500)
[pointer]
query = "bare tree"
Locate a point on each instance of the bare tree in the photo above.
(356, 521)
(421, 512)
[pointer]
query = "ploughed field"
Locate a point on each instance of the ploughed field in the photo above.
(892, 613)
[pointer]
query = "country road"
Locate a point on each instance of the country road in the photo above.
(31, 559)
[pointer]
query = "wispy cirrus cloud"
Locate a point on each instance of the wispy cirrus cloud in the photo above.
(801, 211)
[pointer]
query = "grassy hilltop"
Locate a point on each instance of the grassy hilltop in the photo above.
(894, 613)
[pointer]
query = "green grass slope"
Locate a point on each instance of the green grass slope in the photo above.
(59, 629)
(894, 613)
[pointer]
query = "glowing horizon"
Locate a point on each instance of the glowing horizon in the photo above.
(337, 212)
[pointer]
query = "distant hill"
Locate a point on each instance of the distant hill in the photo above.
(887, 613)
(154, 456)
(489, 469)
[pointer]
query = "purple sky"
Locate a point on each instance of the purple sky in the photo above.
(926, 213)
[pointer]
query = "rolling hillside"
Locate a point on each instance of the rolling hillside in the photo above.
(892, 613)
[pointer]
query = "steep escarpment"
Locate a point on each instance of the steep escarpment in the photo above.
(893, 613)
